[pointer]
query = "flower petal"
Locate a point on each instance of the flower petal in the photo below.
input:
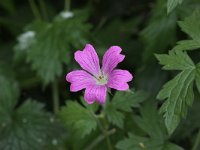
(88, 59)
(118, 79)
(111, 59)
(95, 93)
(79, 80)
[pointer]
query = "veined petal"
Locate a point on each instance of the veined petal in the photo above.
(118, 79)
(88, 59)
(111, 59)
(95, 93)
(79, 80)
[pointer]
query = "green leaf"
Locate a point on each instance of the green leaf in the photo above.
(28, 127)
(171, 4)
(9, 90)
(171, 146)
(52, 42)
(122, 102)
(133, 142)
(78, 118)
(125, 100)
(179, 95)
(150, 119)
(197, 78)
(176, 60)
(192, 27)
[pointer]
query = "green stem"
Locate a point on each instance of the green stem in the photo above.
(99, 139)
(67, 5)
(197, 141)
(35, 10)
(105, 132)
(43, 9)
(55, 96)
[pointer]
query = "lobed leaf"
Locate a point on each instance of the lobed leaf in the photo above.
(78, 118)
(123, 102)
(176, 60)
(192, 27)
(179, 95)
(28, 127)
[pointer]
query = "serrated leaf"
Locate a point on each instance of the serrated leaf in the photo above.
(79, 118)
(150, 120)
(28, 127)
(134, 142)
(114, 116)
(50, 49)
(187, 45)
(171, 4)
(197, 78)
(125, 100)
(176, 60)
(122, 102)
(179, 95)
(192, 27)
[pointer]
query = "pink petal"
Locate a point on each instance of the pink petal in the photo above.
(118, 79)
(79, 80)
(95, 93)
(88, 59)
(111, 59)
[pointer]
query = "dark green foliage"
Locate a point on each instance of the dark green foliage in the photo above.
(48, 56)
(151, 123)
(38, 39)
(28, 127)
(123, 102)
(75, 116)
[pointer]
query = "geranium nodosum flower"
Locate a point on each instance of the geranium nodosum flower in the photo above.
(97, 80)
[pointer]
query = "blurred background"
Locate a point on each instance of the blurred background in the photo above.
(38, 39)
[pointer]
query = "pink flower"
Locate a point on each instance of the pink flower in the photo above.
(96, 81)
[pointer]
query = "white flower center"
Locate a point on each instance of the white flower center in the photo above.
(102, 79)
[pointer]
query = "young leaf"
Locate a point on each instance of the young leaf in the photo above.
(122, 101)
(192, 27)
(79, 118)
(171, 4)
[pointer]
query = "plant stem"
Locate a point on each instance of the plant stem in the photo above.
(105, 133)
(43, 9)
(67, 5)
(35, 10)
(99, 139)
(197, 141)
(55, 96)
